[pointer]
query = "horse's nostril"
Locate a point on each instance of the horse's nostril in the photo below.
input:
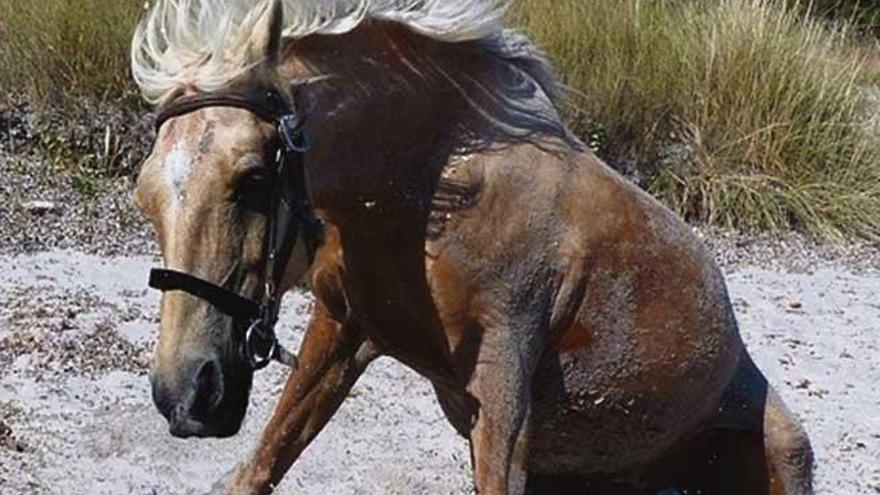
(209, 390)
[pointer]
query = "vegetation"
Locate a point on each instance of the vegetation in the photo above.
(741, 113)
(863, 14)
(69, 59)
(750, 114)
(57, 51)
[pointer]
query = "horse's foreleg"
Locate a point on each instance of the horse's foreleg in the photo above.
(501, 382)
(332, 357)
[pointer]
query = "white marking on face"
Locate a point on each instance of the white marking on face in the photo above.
(178, 166)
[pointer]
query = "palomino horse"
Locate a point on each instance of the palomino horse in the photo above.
(574, 329)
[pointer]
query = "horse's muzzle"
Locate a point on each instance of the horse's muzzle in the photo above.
(200, 406)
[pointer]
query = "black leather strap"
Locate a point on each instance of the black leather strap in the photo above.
(270, 107)
(228, 302)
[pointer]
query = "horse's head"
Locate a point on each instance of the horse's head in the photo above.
(206, 189)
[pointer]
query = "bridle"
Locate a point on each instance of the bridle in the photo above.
(290, 215)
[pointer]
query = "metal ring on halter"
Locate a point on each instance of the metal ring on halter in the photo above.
(291, 130)
(251, 355)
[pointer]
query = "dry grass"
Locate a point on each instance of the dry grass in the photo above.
(740, 113)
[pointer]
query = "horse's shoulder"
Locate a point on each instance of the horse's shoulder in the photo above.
(327, 275)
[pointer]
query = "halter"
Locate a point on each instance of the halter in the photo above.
(290, 216)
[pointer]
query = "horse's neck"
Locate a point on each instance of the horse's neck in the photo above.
(390, 108)
(381, 130)
(391, 113)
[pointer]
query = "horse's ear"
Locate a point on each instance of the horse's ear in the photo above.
(265, 43)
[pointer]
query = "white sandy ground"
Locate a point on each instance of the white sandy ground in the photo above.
(816, 336)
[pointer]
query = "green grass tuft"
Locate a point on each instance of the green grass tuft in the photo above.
(57, 51)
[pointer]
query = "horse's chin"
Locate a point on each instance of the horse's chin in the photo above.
(195, 429)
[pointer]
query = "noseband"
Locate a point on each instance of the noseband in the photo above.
(290, 215)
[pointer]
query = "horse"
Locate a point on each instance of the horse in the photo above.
(407, 160)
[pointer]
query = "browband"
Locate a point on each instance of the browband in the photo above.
(271, 109)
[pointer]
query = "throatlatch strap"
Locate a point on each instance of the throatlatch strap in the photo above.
(270, 109)
(228, 302)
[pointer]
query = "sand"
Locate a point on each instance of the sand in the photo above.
(76, 333)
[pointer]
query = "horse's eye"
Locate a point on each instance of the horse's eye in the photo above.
(254, 190)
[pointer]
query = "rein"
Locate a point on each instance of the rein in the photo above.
(290, 216)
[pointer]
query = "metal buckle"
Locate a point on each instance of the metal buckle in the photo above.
(290, 128)
(251, 354)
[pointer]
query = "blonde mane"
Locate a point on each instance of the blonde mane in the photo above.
(203, 42)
